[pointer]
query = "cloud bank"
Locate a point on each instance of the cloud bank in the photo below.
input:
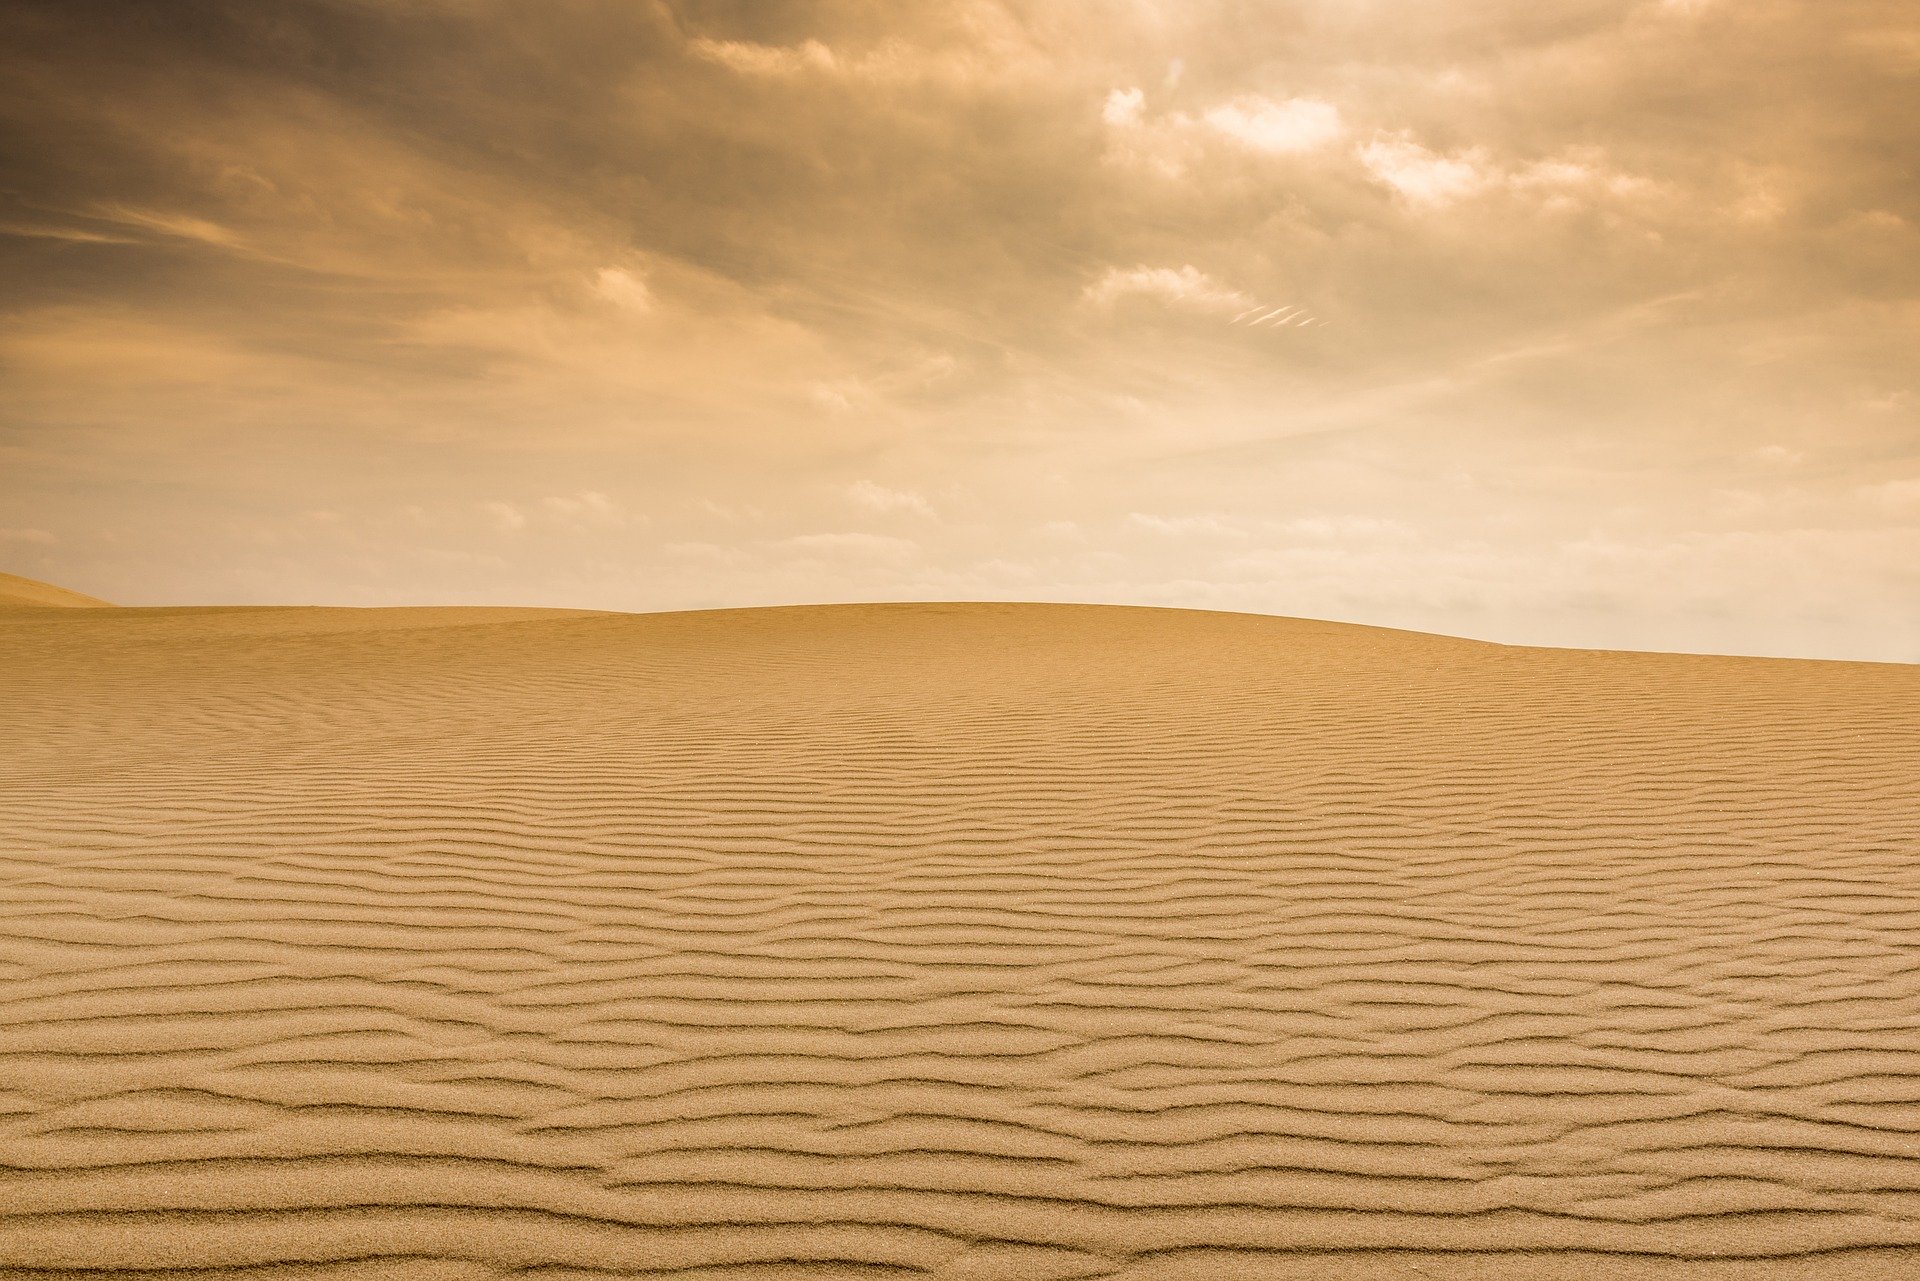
(1576, 322)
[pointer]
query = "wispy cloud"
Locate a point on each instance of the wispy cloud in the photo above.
(879, 498)
(783, 280)
(1185, 287)
(1295, 124)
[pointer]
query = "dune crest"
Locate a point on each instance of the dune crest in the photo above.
(952, 941)
(16, 591)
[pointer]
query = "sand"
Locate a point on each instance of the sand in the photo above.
(17, 591)
(946, 941)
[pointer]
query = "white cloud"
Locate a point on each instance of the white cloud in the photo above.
(1436, 179)
(1186, 287)
(589, 509)
(79, 235)
(1172, 143)
(1423, 176)
(623, 289)
(837, 398)
(505, 516)
(879, 498)
(1297, 124)
(896, 62)
(1582, 172)
(184, 226)
(752, 59)
(1124, 107)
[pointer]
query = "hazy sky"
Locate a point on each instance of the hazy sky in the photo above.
(1558, 321)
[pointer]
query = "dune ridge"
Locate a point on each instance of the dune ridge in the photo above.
(949, 941)
(17, 592)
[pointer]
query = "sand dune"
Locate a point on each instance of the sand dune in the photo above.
(953, 941)
(16, 592)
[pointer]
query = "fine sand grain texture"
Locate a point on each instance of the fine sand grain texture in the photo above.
(949, 941)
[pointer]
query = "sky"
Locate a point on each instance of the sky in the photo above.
(1558, 322)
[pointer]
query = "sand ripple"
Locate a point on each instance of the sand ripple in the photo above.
(950, 941)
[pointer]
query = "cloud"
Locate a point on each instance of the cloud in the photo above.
(623, 289)
(166, 223)
(1185, 287)
(587, 510)
(1296, 124)
(841, 397)
(461, 256)
(1422, 176)
(879, 498)
(1178, 144)
(505, 517)
(1436, 179)
(1124, 108)
(753, 59)
(79, 235)
(989, 45)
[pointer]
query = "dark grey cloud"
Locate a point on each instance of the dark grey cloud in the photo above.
(1641, 278)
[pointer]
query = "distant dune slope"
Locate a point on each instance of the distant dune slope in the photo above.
(16, 591)
(951, 941)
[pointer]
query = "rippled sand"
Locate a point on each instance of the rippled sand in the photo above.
(954, 941)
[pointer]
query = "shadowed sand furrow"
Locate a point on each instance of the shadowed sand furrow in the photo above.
(946, 941)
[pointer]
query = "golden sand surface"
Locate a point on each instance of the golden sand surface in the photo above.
(946, 941)
(15, 591)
